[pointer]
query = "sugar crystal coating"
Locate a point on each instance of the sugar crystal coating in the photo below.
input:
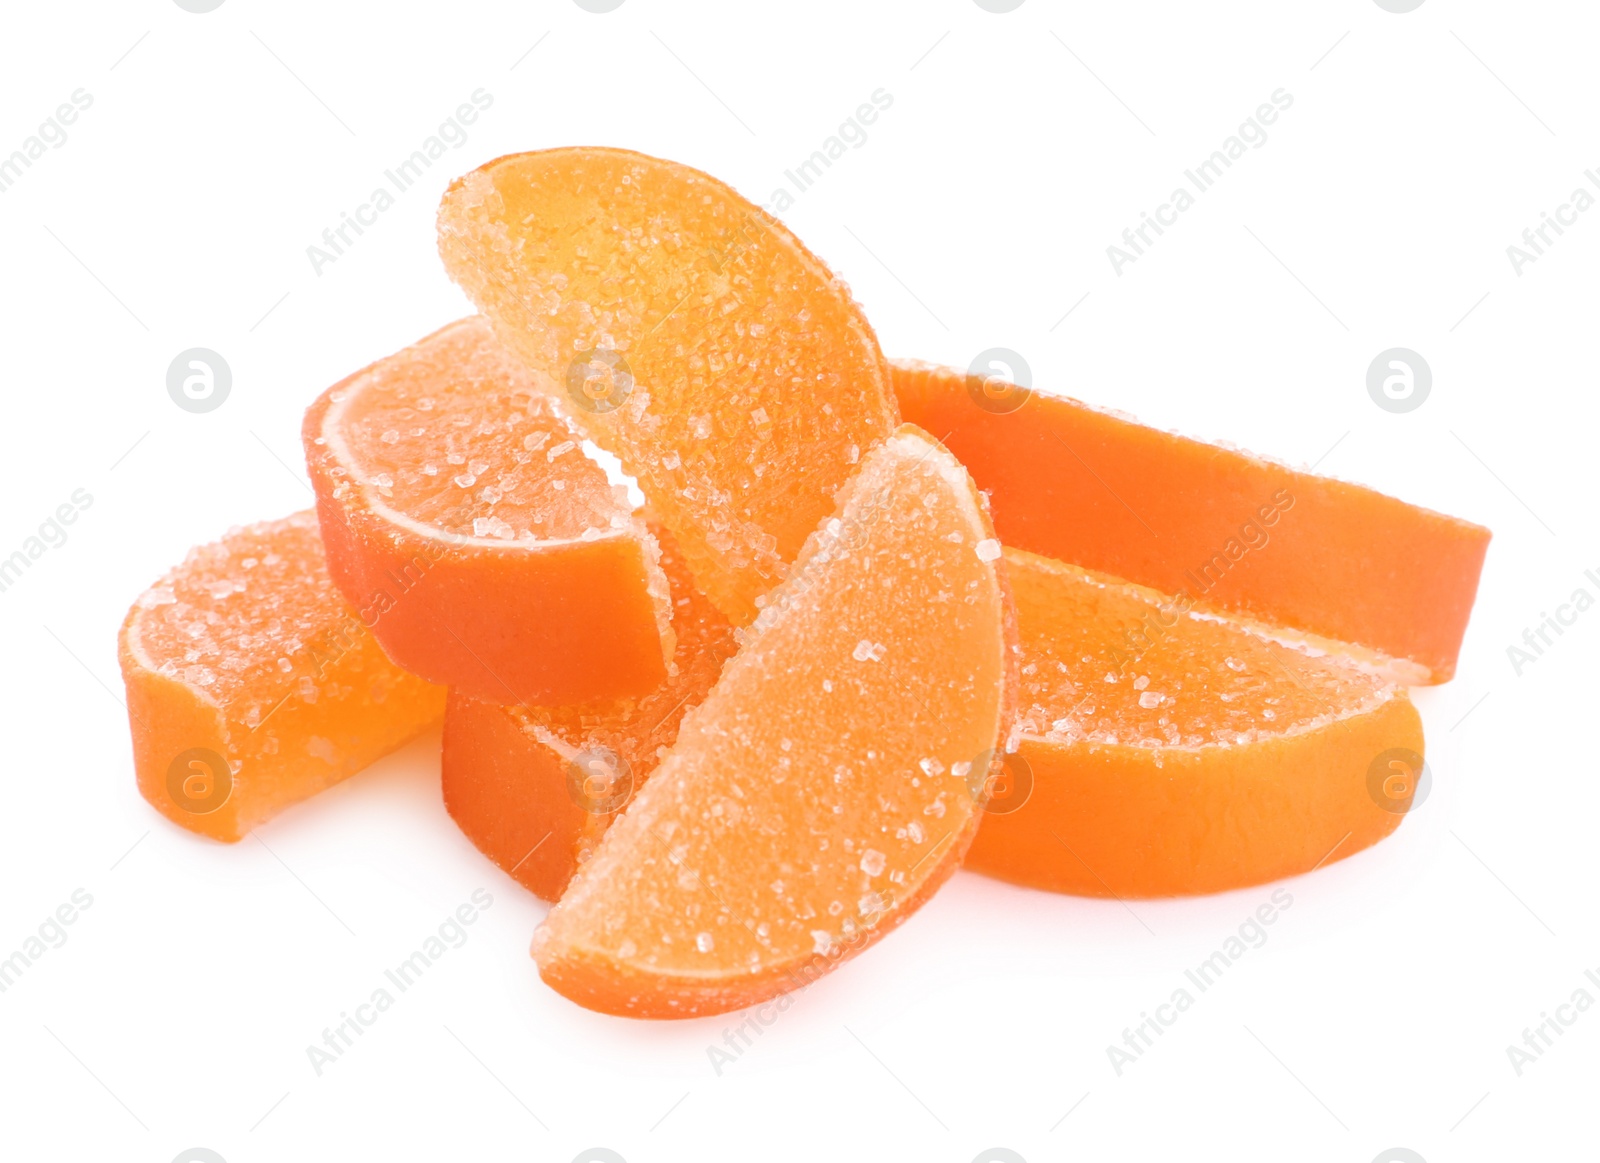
(686, 331)
(467, 525)
(1164, 750)
(1091, 644)
(248, 651)
(781, 821)
(458, 439)
(1239, 533)
(507, 768)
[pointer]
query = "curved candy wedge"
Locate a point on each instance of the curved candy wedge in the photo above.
(467, 527)
(251, 685)
(535, 787)
(823, 790)
(1167, 752)
(1232, 531)
(690, 334)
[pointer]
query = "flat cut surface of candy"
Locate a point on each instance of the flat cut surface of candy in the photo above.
(1233, 531)
(251, 685)
(690, 333)
(826, 786)
(1166, 751)
(535, 787)
(466, 524)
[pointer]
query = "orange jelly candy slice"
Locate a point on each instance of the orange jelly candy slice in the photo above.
(690, 334)
(823, 790)
(1232, 531)
(475, 538)
(1166, 751)
(251, 685)
(535, 787)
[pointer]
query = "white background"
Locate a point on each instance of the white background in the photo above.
(177, 214)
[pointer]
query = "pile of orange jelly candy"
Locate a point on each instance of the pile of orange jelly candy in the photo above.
(873, 621)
